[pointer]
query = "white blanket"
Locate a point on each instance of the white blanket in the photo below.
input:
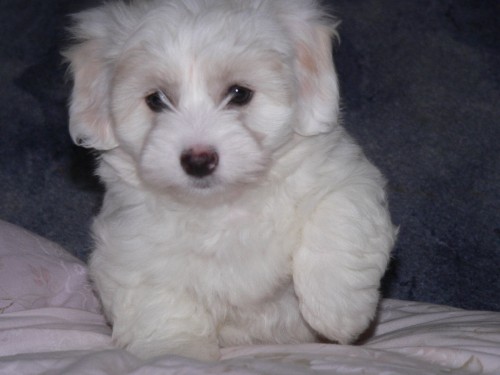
(50, 323)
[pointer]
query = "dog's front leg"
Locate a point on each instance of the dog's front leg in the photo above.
(167, 324)
(344, 252)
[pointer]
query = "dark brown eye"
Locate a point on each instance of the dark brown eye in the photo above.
(240, 95)
(157, 101)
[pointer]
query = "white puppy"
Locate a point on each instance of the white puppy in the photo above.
(237, 209)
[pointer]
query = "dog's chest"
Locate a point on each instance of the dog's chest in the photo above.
(236, 254)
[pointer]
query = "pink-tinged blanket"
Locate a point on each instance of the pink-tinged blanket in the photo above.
(50, 323)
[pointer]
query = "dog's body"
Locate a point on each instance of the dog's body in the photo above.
(237, 210)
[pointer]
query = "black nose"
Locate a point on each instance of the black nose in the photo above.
(199, 163)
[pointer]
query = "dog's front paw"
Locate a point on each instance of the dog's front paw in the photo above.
(199, 348)
(344, 321)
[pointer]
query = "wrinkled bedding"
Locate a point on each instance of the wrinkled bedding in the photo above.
(50, 323)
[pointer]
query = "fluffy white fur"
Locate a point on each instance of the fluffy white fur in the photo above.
(286, 241)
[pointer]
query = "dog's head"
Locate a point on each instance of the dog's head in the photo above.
(201, 93)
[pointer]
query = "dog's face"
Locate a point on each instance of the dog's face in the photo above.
(201, 95)
(201, 109)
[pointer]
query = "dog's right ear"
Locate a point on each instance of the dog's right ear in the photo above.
(90, 67)
(318, 90)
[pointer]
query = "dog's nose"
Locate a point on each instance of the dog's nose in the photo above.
(199, 162)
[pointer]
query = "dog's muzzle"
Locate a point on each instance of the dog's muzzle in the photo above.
(199, 162)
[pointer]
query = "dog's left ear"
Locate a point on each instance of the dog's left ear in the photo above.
(90, 65)
(318, 89)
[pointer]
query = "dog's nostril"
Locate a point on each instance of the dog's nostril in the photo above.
(199, 163)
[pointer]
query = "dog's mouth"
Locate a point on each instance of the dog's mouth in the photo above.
(202, 183)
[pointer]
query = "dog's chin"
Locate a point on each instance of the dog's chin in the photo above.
(206, 191)
(207, 187)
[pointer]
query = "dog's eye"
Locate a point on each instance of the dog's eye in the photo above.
(157, 101)
(239, 95)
